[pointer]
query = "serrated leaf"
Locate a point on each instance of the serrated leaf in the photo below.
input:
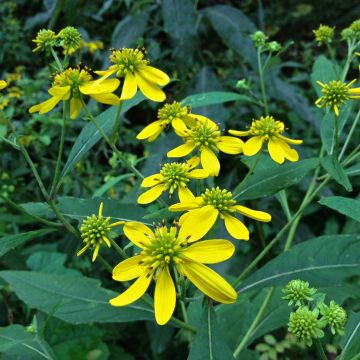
(10, 242)
(350, 342)
(265, 182)
(331, 164)
(74, 299)
(208, 343)
(345, 206)
(323, 261)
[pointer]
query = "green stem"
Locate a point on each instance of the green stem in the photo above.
(350, 134)
(57, 60)
(118, 249)
(116, 124)
(60, 153)
(320, 350)
(254, 324)
(262, 84)
(348, 60)
(336, 136)
(284, 203)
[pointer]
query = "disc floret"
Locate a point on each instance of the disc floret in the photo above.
(205, 135)
(222, 200)
(44, 38)
(128, 61)
(175, 175)
(169, 112)
(266, 127)
(335, 316)
(298, 291)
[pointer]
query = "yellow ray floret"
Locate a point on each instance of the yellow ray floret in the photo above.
(268, 130)
(131, 65)
(204, 210)
(172, 176)
(72, 84)
(3, 84)
(205, 136)
(164, 251)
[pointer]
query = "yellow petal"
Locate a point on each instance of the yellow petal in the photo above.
(183, 206)
(198, 223)
(239, 133)
(105, 73)
(45, 106)
(138, 233)
(151, 195)
(230, 145)
(185, 194)
(208, 281)
(150, 90)
(288, 140)
(129, 88)
(155, 128)
(236, 228)
(252, 146)
(198, 174)
(96, 87)
(164, 297)
(182, 150)
(210, 162)
(128, 269)
(75, 108)
(154, 75)
(253, 214)
(193, 162)
(59, 91)
(3, 84)
(275, 150)
(152, 180)
(179, 127)
(210, 251)
(290, 154)
(134, 292)
(108, 98)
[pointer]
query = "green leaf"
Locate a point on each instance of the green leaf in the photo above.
(345, 206)
(208, 343)
(10, 242)
(350, 343)
(75, 299)
(323, 261)
(109, 184)
(213, 98)
(331, 164)
(268, 181)
(353, 170)
(90, 135)
(15, 340)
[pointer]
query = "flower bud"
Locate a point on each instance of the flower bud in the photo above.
(297, 292)
(70, 37)
(324, 34)
(259, 38)
(335, 316)
(273, 46)
(44, 39)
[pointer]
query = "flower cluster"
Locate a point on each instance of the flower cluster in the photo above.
(324, 34)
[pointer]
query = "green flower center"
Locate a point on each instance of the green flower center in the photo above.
(222, 200)
(335, 315)
(71, 37)
(127, 61)
(73, 78)
(298, 291)
(205, 135)
(172, 111)
(94, 228)
(304, 324)
(266, 127)
(175, 175)
(335, 93)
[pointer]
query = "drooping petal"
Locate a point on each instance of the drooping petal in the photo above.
(183, 206)
(154, 75)
(151, 195)
(185, 194)
(198, 223)
(239, 133)
(275, 150)
(129, 87)
(108, 99)
(164, 297)
(96, 87)
(208, 281)
(210, 162)
(230, 145)
(152, 180)
(105, 73)
(150, 90)
(182, 150)
(134, 292)
(288, 140)
(236, 228)
(289, 153)
(138, 233)
(45, 106)
(253, 214)
(155, 128)
(210, 251)
(59, 91)
(75, 108)
(198, 174)
(179, 127)
(252, 146)
(128, 269)
(193, 162)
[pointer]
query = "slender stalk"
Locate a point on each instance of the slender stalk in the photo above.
(336, 136)
(320, 350)
(118, 249)
(60, 153)
(262, 83)
(348, 60)
(117, 123)
(254, 324)
(57, 60)
(349, 136)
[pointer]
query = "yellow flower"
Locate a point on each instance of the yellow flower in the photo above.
(94, 232)
(3, 84)
(336, 93)
(72, 84)
(269, 130)
(172, 176)
(131, 65)
(205, 209)
(173, 114)
(44, 38)
(205, 136)
(165, 250)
